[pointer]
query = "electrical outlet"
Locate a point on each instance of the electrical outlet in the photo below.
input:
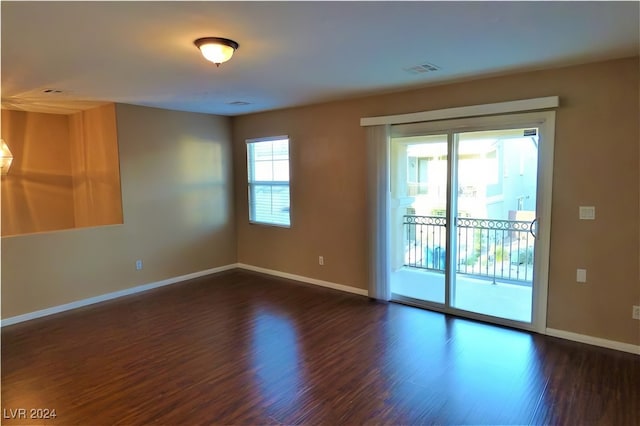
(581, 275)
(587, 213)
(138, 265)
(636, 312)
(321, 260)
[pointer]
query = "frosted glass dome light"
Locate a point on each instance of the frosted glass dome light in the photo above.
(215, 49)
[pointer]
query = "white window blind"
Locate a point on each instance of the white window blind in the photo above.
(268, 169)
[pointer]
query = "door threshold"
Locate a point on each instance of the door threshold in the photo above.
(460, 313)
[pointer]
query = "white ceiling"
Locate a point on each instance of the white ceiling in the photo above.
(291, 53)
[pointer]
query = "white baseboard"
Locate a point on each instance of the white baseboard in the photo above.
(114, 295)
(328, 284)
(596, 341)
(582, 338)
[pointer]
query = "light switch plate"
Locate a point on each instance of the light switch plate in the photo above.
(581, 275)
(587, 213)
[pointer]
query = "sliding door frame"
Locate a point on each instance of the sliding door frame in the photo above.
(545, 122)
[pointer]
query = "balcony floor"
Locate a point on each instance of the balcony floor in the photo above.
(502, 299)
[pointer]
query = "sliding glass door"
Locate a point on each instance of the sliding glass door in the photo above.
(464, 212)
(495, 222)
(419, 197)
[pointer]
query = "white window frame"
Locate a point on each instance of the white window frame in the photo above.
(273, 183)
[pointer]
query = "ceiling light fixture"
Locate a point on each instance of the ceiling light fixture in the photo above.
(216, 49)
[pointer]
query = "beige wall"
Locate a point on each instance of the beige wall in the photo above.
(37, 193)
(178, 217)
(596, 163)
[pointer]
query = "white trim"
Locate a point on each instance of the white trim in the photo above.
(109, 296)
(466, 111)
(611, 344)
(252, 182)
(268, 139)
(544, 190)
(328, 284)
(596, 341)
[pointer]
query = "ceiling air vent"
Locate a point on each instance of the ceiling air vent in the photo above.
(52, 91)
(422, 68)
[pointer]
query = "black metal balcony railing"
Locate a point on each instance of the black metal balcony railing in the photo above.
(498, 249)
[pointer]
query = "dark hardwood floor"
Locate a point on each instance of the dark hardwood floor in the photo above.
(241, 348)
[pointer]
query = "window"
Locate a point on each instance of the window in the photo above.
(268, 167)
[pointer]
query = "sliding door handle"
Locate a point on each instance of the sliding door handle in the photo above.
(532, 226)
